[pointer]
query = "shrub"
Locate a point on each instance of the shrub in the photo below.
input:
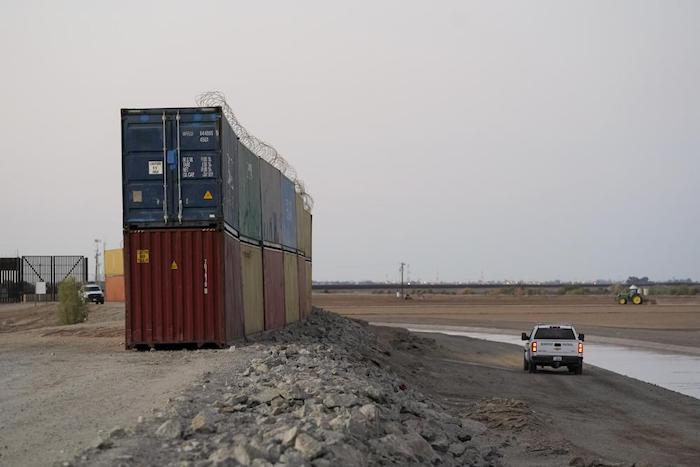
(71, 307)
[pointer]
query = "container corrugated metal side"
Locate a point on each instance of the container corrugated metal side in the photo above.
(271, 194)
(234, 313)
(301, 240)
(114, 289)
(252, 276)
(301, 279)
(291, 287)
(250, 210)
(289, 214)
(309, 304)
(114, 262)
(179, 168)
(176, 287)
(273, 283)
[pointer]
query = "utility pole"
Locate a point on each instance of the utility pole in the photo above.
(403, 265)
(97, 260)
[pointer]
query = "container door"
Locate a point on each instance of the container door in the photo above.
(148, 163)
(198, 145)
(171, 167)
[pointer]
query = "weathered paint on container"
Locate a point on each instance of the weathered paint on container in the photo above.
(273, 282)
(303, 229)
(250, 211)
(308, 223)
(234, 312)
(114, 262)
(182, 287)
(289, 214)
(114, 289)
(291, 287)
(179, 168)
(301, 279)
(309, 304)
(271, 195)
(252, 276)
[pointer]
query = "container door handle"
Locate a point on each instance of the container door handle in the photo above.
(165, 175)
(179, 172)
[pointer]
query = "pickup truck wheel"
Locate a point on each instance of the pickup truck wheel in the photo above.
(532, 368)
(579, 369)
(525, 364)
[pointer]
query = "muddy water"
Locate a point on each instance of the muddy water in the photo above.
(675, 371)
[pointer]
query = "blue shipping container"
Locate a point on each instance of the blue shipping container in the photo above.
(179, 168)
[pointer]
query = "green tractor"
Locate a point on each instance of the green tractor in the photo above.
(633, 295)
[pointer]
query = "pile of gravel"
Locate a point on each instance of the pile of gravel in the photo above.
(317, 393)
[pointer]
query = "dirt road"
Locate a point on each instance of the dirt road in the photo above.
(597, 414)
(60, 385)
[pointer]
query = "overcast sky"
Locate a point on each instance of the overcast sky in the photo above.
(494, 140)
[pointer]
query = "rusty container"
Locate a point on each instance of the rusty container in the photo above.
(291, 287)
(273, 284)
(183, 287)
(252, 277)
(301, 278)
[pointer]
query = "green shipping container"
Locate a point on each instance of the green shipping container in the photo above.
(252, 278)
(291, 287)
(249, 208)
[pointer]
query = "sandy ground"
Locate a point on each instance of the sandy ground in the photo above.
(60, 385)
(671, 321)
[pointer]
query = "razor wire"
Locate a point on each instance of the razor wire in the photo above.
(259, 147)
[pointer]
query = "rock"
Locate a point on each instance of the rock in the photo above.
(420, 447)
(457, 449)
(307, 446)
(332, 401)
(203, 422)
(267, 395)
(577, 462)
(117, 433)
(170, 429)
(102, 443)
(289, 436)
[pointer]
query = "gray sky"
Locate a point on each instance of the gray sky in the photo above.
(513, 140)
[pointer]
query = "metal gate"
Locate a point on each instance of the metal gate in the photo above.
(51, 270)
(10, 280)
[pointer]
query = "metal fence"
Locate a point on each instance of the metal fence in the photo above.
(37, 277)
(10, 280)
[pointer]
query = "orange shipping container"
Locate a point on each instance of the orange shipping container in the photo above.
(114, 289)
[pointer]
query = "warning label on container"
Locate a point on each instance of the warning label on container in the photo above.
(137, 196)
(208, 195)
(143, 256)
(173, 265)
(155, 167)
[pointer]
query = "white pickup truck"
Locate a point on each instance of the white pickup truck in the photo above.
(553, 345)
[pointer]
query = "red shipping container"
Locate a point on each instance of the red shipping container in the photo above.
(273, 281)
(301, 271)
(183, 286)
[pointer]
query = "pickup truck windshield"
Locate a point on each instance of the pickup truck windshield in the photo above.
(92, 288)
(554, 333)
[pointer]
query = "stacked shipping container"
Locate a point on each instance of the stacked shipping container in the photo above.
(217, 241)
(114, 275)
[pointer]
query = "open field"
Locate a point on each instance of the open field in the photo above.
(671, 321)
